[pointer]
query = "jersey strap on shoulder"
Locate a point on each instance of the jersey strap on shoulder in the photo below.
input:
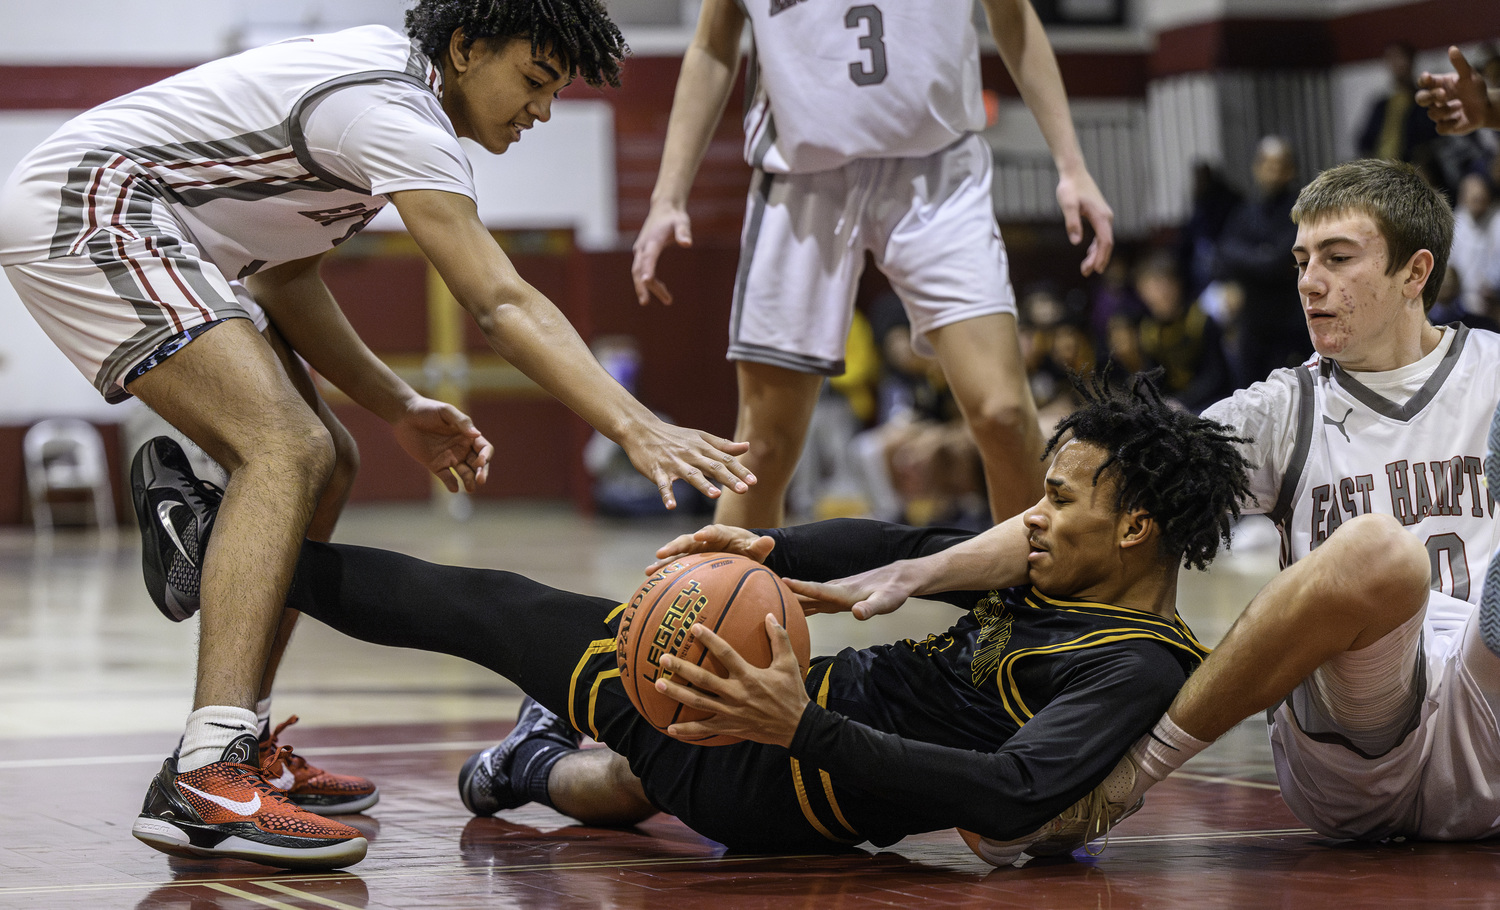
(1306, 408)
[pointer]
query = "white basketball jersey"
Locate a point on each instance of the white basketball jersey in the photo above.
(1328, 445)
(835, 81)
(222, 148)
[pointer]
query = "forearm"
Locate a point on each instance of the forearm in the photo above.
(1028, 56)
(703, 86)
(999, 794)
(531, 333)
(306, 314)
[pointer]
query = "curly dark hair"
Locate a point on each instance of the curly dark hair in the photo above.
(1185, 471)
(578, 31)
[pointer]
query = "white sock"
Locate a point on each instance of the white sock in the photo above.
(1165, 749)
(263, 715)
(209, 730)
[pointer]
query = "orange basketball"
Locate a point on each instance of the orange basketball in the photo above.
(730, 595)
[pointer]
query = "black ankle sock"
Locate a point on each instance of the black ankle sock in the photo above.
(531, 767)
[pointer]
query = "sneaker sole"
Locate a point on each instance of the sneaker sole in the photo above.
(151, 567)
(346, 807)
(172, 839)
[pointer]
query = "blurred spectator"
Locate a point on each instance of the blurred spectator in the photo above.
(1214, 200)
(1113, 297)
(1255, 252)
(1178, 336)
(1396, 128)
(919, 465)
(1053, 344)
(1449, 308)
(1476, 244)
(825, 483)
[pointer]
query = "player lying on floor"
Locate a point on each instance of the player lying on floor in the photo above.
(1070, 647)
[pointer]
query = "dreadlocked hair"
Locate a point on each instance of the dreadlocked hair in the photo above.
(578, 31)
(1185, 471)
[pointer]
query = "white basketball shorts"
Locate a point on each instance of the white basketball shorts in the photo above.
(112, 311)
(1441, 781)
(929, 223)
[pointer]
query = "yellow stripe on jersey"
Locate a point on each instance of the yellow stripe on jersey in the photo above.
(804, 802)
(594, 698)
(1175, 622)
(597, 647)
(1010, 691)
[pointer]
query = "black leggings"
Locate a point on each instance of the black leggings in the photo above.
(558, 647)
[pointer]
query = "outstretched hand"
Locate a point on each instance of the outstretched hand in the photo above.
(867, 594)
(1081, 201)
(662, 224)
(713, 539)
(1458, 102)
(761, 705)
(666, 453)
(445, 441)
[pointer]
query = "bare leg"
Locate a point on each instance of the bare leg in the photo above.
(982, 360)
(335, 494)
(228, 393)
(776, 405)
(1361, 584)
(597, 787)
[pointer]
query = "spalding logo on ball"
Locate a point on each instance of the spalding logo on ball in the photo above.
(726, 593)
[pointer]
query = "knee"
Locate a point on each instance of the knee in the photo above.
(345, 460)
(1388, 565)
(999, 418)
(302, 451)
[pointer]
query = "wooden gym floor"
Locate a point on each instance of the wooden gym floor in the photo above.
(94, 685)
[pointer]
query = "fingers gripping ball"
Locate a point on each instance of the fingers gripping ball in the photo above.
(730, 595)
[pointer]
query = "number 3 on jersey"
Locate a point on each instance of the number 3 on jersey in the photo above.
(872, 40)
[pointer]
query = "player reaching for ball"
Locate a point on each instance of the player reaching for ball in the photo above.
(1068, 648)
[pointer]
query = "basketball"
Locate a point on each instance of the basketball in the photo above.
(730, 595)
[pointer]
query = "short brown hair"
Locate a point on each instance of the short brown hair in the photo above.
(1407, 211)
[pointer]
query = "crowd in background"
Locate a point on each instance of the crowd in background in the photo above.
(1213, 304)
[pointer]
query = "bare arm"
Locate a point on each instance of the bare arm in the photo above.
(1028, 56)
(437, 435)
(524, 327)
(703, 86)
(1459, 102)
(995, 559)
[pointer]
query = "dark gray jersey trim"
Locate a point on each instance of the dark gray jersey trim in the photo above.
(1306, 408)
(760, 195)
(1387, 408)
(800, 363)
(303, 107)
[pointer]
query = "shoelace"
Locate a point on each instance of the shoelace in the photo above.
(1096, 809)
(277, 752)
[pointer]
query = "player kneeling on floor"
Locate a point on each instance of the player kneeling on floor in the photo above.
(1068, 626)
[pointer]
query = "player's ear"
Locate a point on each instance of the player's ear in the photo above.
(1418, 273)
(1136, 527)
(459, 49)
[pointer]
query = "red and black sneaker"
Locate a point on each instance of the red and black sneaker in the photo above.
(227, 810)
(309, 786)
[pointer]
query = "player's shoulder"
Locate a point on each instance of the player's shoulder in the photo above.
(1274, 396)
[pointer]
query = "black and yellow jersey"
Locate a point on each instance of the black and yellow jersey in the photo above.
(997, 724)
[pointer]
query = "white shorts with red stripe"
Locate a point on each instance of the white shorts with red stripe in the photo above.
(112, 307)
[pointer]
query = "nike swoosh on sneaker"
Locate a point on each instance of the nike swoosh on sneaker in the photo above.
(284, 780)
(246, 808)
(164, 512)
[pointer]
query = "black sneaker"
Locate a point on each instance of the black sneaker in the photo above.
(227, 810)
(485, 781)
(176, 512)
